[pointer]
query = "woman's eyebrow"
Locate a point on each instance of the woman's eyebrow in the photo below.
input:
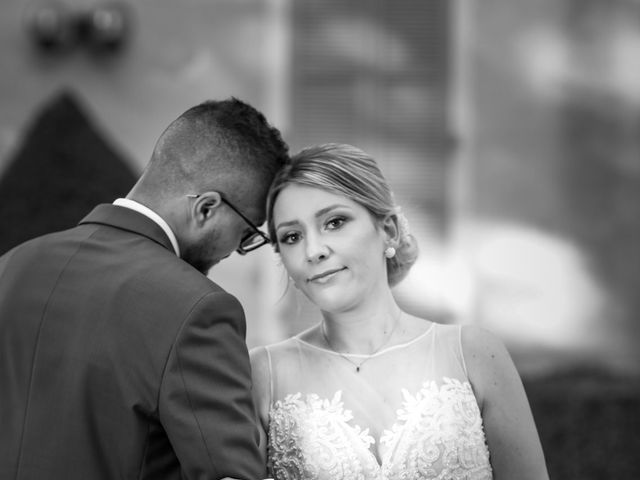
(319, 213)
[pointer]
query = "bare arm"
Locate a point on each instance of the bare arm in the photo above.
(511, 433)
(261, 392)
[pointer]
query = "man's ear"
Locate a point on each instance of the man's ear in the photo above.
(391, 229)
(204, 207)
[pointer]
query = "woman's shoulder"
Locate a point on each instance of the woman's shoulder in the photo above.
(285, 347)
(486, 357)
(272, 348)
(266, 358)
(480, 344)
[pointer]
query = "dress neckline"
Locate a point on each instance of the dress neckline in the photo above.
(365, 355)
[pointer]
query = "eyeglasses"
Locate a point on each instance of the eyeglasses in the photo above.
(251, 240)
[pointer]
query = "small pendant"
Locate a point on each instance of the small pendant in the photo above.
(357, 369)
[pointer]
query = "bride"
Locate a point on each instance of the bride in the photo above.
(373, 392)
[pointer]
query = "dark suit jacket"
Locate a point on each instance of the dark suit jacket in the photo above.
(118, 360)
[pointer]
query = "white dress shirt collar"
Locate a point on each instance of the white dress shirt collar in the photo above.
(146, 211)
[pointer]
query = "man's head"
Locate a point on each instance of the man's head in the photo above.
(211, 167)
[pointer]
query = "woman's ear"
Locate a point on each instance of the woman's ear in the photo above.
(205, 206)
(391, 230)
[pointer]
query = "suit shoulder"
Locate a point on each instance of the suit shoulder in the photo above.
(168, 272)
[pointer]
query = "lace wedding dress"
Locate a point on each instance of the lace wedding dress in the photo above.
(409, 413)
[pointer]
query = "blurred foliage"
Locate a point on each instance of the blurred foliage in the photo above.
(588, 421)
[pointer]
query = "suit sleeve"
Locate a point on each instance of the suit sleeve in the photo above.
(205, 402)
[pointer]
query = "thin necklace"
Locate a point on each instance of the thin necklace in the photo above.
(370, 356)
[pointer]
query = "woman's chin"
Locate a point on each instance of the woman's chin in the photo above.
(333, 300)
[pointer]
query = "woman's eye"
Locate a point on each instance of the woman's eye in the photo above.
(335, 223)
(289, 238)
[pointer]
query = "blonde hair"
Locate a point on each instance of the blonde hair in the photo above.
(346, 170)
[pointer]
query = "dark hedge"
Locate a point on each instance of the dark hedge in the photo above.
(63, 168)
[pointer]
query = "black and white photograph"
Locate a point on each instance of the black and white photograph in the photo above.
(319, 240)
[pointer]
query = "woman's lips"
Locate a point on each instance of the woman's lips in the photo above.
(325, 276)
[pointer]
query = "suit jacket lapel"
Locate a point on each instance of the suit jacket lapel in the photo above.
(130, 220)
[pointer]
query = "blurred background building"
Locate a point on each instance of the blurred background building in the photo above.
(509, 130)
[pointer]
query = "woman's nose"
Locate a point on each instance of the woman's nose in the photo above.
(316, 249)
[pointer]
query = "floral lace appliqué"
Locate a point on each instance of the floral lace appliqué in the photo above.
(438, 434)
(311, 439)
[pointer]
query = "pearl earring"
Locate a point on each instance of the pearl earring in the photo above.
(390, 252)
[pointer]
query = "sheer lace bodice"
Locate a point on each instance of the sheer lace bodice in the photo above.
(410, 413)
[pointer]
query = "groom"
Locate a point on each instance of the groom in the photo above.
(119, 358)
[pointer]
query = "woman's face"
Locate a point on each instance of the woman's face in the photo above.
(330, 246)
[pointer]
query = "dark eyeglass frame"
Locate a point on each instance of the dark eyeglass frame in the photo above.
(246, 245)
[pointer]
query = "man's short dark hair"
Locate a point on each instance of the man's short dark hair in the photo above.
(216, 144)
(243, 132)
